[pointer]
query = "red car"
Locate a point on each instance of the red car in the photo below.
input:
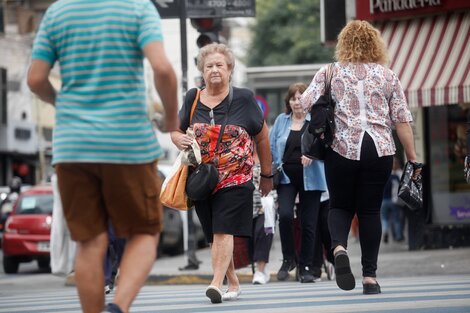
(28, 229)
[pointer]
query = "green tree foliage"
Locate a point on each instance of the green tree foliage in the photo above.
(287, 32)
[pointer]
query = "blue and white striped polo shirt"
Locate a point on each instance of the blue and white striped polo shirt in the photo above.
(101, 113)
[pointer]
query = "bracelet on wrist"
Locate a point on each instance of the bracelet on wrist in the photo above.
(266, 176)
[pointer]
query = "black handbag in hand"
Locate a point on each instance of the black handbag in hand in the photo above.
(409, 190)
(203, 179)
(313, 147)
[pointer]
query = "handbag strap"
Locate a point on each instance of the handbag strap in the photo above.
(329, 76)
(222, 127)
(193, 107)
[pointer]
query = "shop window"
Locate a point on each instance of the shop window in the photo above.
(447, 149)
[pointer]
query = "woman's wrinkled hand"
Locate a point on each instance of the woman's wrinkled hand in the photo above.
(265, 186)
(183, 141)
(305, 161)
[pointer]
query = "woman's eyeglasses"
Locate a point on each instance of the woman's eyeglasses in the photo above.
(211, 115)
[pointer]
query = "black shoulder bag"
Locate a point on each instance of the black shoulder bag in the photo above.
(203, 179)
(319, 135)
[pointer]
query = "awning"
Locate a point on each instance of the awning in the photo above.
(431, 56)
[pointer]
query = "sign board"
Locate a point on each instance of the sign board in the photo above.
(3, 96)
(220, 8)
(263, 104)
(206, 8)
(167, 8)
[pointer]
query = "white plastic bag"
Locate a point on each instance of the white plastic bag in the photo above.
(269, 214)
(62, 246)
(191, 156)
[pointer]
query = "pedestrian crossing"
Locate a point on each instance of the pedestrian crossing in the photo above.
(430, 294)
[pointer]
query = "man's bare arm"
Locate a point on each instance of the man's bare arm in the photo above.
(165, 82)
(38, 81)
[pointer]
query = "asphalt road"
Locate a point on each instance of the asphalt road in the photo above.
(426, 294)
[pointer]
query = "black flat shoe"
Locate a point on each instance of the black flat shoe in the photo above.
(189, 267)
(344, 277)
(371, 289)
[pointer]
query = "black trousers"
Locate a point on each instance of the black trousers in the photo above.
(357, 186)
(261, 242)
(309, 203)
(322, 240)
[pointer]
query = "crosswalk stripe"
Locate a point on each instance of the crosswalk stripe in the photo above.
(430, 294)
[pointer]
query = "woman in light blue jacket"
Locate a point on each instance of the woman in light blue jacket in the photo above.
(300, 175)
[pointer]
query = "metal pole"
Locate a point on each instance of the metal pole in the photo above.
(40, 133)
(2, 18)
(184, 49)
(184, 89)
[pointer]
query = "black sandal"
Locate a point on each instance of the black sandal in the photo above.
(113, 308)
(344, 277)
(371, 289)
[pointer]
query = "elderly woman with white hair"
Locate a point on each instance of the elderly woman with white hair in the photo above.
(227, 212)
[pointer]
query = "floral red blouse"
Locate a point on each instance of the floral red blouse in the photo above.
(369, 98)
(235, 152)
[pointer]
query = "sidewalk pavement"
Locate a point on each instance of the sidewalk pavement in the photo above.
(394, 261)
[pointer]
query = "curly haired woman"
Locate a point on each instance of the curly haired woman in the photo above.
(369, 101)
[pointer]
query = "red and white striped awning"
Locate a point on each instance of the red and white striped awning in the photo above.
(431, 56)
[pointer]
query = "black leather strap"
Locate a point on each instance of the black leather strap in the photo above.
(222, 127)
(328, 77)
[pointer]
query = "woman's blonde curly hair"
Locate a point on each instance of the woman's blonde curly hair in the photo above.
(360, 42)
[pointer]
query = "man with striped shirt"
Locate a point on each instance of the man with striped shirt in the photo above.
(104, 147)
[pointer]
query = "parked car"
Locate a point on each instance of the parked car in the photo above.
(28, 229)
(171, 239)
(6, 206)
(7, 200)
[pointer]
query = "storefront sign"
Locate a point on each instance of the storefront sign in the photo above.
(460, 213)
(370, 10)
(386, 6)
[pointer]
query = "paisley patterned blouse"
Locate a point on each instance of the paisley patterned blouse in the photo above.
(235, 152)
(369, 98)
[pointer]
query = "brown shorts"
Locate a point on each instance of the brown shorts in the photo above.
(126, 194)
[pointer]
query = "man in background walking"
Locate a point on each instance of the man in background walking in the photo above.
(104, 147)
